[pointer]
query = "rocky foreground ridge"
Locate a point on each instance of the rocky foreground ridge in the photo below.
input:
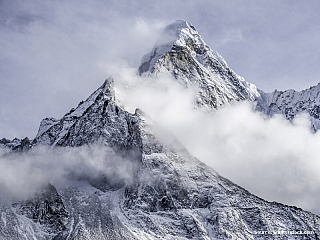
(171, 195)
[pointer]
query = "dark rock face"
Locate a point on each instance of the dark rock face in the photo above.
(92, 215)
(17, 145)
(46, 208)
(4, 141)
(24, 145)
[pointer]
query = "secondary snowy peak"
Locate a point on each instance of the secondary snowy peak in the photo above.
(99, 117)
(183, 54)
(291, 102)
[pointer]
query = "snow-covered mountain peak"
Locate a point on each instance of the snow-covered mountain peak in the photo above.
(56, 132)
(182, 54)
(180, 31)
(105, 91)
(178, 25)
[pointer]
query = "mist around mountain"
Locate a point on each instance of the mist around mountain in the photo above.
(271, 135)
(124, 164)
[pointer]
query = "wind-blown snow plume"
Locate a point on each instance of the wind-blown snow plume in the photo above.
(271, 157)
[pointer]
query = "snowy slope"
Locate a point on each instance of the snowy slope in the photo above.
(173, 195)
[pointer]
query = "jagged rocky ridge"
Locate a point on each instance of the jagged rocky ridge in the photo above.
(173, 195)
(291, 102)
(15, 144)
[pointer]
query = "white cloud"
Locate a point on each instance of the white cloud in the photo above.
(231, 36)
(271, 157)
(22, 174)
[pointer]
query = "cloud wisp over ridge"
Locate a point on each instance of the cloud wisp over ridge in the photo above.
(23, 174)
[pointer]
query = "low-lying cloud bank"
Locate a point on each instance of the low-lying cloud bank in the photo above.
(23, 174)
(271, 157)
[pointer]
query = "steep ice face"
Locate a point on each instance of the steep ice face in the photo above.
(183, 54)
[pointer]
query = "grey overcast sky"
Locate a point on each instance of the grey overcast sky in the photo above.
(53, 54)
